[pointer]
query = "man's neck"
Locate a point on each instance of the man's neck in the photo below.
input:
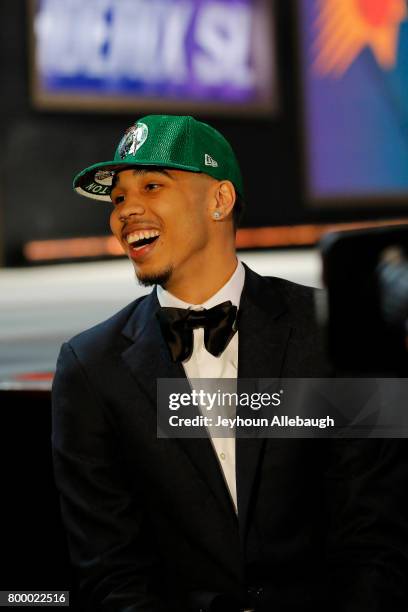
(200, 287)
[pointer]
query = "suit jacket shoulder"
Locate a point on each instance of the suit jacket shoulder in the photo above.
(300, 299)
(100, 338)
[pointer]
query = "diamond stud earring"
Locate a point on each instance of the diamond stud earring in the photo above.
(217, 215)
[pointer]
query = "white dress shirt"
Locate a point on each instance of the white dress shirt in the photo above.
(203, 364)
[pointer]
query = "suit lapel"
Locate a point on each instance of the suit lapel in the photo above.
(148, 359)
(263, 338)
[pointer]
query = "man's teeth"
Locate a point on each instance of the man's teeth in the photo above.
(142, 234)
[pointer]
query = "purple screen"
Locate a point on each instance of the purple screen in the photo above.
(187, 50)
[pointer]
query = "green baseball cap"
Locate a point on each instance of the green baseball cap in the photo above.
(166, 141)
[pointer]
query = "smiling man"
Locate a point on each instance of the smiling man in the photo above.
(165, 221)
(209, 524)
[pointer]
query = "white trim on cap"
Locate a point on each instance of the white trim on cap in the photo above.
(93, 196)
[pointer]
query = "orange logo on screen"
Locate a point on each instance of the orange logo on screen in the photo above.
(346, 27)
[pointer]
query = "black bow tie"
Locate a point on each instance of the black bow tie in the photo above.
(177, 326)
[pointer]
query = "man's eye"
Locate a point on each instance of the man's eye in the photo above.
(118, 200)
(152, 186)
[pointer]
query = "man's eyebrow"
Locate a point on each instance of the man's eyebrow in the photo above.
(115, 177)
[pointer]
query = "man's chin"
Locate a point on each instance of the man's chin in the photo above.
(158, 277)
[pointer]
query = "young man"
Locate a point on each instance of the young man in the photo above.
(283, 525)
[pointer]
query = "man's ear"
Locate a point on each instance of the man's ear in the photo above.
(223, 201)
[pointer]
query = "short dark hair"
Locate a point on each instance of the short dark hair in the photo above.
(238, 211)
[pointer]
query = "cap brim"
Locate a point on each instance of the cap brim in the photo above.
(87, 185)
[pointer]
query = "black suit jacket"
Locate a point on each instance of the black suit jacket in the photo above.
(150, 522)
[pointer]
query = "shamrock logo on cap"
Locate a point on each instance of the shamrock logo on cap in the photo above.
(134, 138)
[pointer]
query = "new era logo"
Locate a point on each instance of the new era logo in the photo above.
(209, 161)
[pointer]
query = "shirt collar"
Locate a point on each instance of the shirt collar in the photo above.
(231, 291)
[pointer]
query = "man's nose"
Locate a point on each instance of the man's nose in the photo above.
(129, 207)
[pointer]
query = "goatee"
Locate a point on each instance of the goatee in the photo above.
(160, 278)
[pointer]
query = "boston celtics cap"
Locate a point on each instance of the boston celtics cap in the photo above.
(166, 141)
